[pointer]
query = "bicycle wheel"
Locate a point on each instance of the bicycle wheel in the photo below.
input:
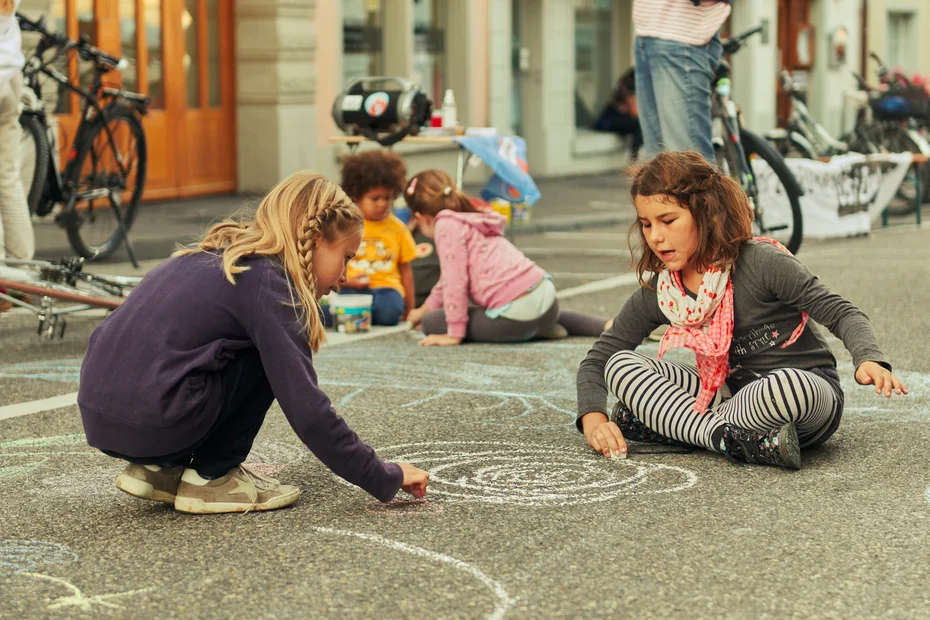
(778, 204)
(94, 232)
(33, 158)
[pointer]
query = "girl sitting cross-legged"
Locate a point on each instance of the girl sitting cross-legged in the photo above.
(766, 383)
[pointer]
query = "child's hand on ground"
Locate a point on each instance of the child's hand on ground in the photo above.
(415, 317)
(603, 436)
(415, 480)
(871, 373)
(361, 281)
(440, 340)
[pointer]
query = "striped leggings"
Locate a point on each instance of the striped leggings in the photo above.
(661, 394)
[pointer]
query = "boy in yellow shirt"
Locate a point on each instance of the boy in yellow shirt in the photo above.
(381, 267)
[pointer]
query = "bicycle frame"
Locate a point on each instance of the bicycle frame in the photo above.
(92, 109)
(809, 132)
(55, 284)
(726, 126)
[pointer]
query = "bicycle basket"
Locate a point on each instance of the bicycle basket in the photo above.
(891, 108)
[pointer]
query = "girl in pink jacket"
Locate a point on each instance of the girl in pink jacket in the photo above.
(488, 291)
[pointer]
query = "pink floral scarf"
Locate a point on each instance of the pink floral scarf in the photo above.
(705, 324)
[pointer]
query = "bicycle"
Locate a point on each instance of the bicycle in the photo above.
(803, 135)
(736, 148)
(54, 283)
(107, 158)
(898, 116)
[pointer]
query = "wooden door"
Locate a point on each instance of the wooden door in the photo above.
(793, 17)
(207, 138)
(181, 54)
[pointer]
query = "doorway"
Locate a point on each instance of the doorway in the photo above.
(181, 54)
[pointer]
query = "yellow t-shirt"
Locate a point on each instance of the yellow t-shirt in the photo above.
(385, 245)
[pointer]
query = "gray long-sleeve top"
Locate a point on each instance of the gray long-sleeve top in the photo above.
(770, 289)
(151, 381)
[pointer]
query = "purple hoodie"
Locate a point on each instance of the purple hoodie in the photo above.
(477, 262)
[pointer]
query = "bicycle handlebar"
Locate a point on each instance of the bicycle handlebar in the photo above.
(733, 44)
(83, 46)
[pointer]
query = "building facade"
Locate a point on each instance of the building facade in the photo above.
(242, 90)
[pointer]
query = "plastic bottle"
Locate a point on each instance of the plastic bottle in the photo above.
(449, 114)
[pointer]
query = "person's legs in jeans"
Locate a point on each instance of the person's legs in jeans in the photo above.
(17, 239)
(387, 306)
(646, 98)
(682, 77)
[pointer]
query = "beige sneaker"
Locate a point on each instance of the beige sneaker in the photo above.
(241, 490)
(150, 482)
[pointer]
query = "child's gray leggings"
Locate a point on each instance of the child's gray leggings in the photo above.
(482, 328)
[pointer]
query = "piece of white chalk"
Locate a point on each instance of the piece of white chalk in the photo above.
(622, 455)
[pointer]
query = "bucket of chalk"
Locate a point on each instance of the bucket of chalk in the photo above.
(351, 313)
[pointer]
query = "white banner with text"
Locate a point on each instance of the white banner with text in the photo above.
(842, 197)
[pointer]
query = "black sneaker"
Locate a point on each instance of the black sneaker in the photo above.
(634, 430)
(778, 447)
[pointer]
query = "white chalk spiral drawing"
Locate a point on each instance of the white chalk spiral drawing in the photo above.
(24, 557)
(533, 475)
(504, 600)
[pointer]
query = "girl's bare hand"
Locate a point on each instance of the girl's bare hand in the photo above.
(603, 436)
(440, 340)
(872, 373)
(415, 317)
(415, 480)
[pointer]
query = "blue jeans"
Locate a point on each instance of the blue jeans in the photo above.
(673, 93)
(387, 306)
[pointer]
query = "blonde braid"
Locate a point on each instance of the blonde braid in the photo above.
(330, 218)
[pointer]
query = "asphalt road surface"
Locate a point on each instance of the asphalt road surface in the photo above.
(521, 519)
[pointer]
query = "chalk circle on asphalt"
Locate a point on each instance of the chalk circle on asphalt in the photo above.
(520, 475)
(404, 507)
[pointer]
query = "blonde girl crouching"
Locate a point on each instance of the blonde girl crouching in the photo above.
(178, 380)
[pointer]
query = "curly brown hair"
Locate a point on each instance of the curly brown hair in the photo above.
(366, 171)
(717, 203)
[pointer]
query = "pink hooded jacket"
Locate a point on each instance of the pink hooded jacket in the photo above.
(477, 262)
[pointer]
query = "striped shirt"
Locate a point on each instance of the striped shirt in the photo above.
(679, 20)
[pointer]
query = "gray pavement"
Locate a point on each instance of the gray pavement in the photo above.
(521, 520)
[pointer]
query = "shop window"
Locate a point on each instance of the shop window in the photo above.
(594, 72)
(362, 38)
(429, 46)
